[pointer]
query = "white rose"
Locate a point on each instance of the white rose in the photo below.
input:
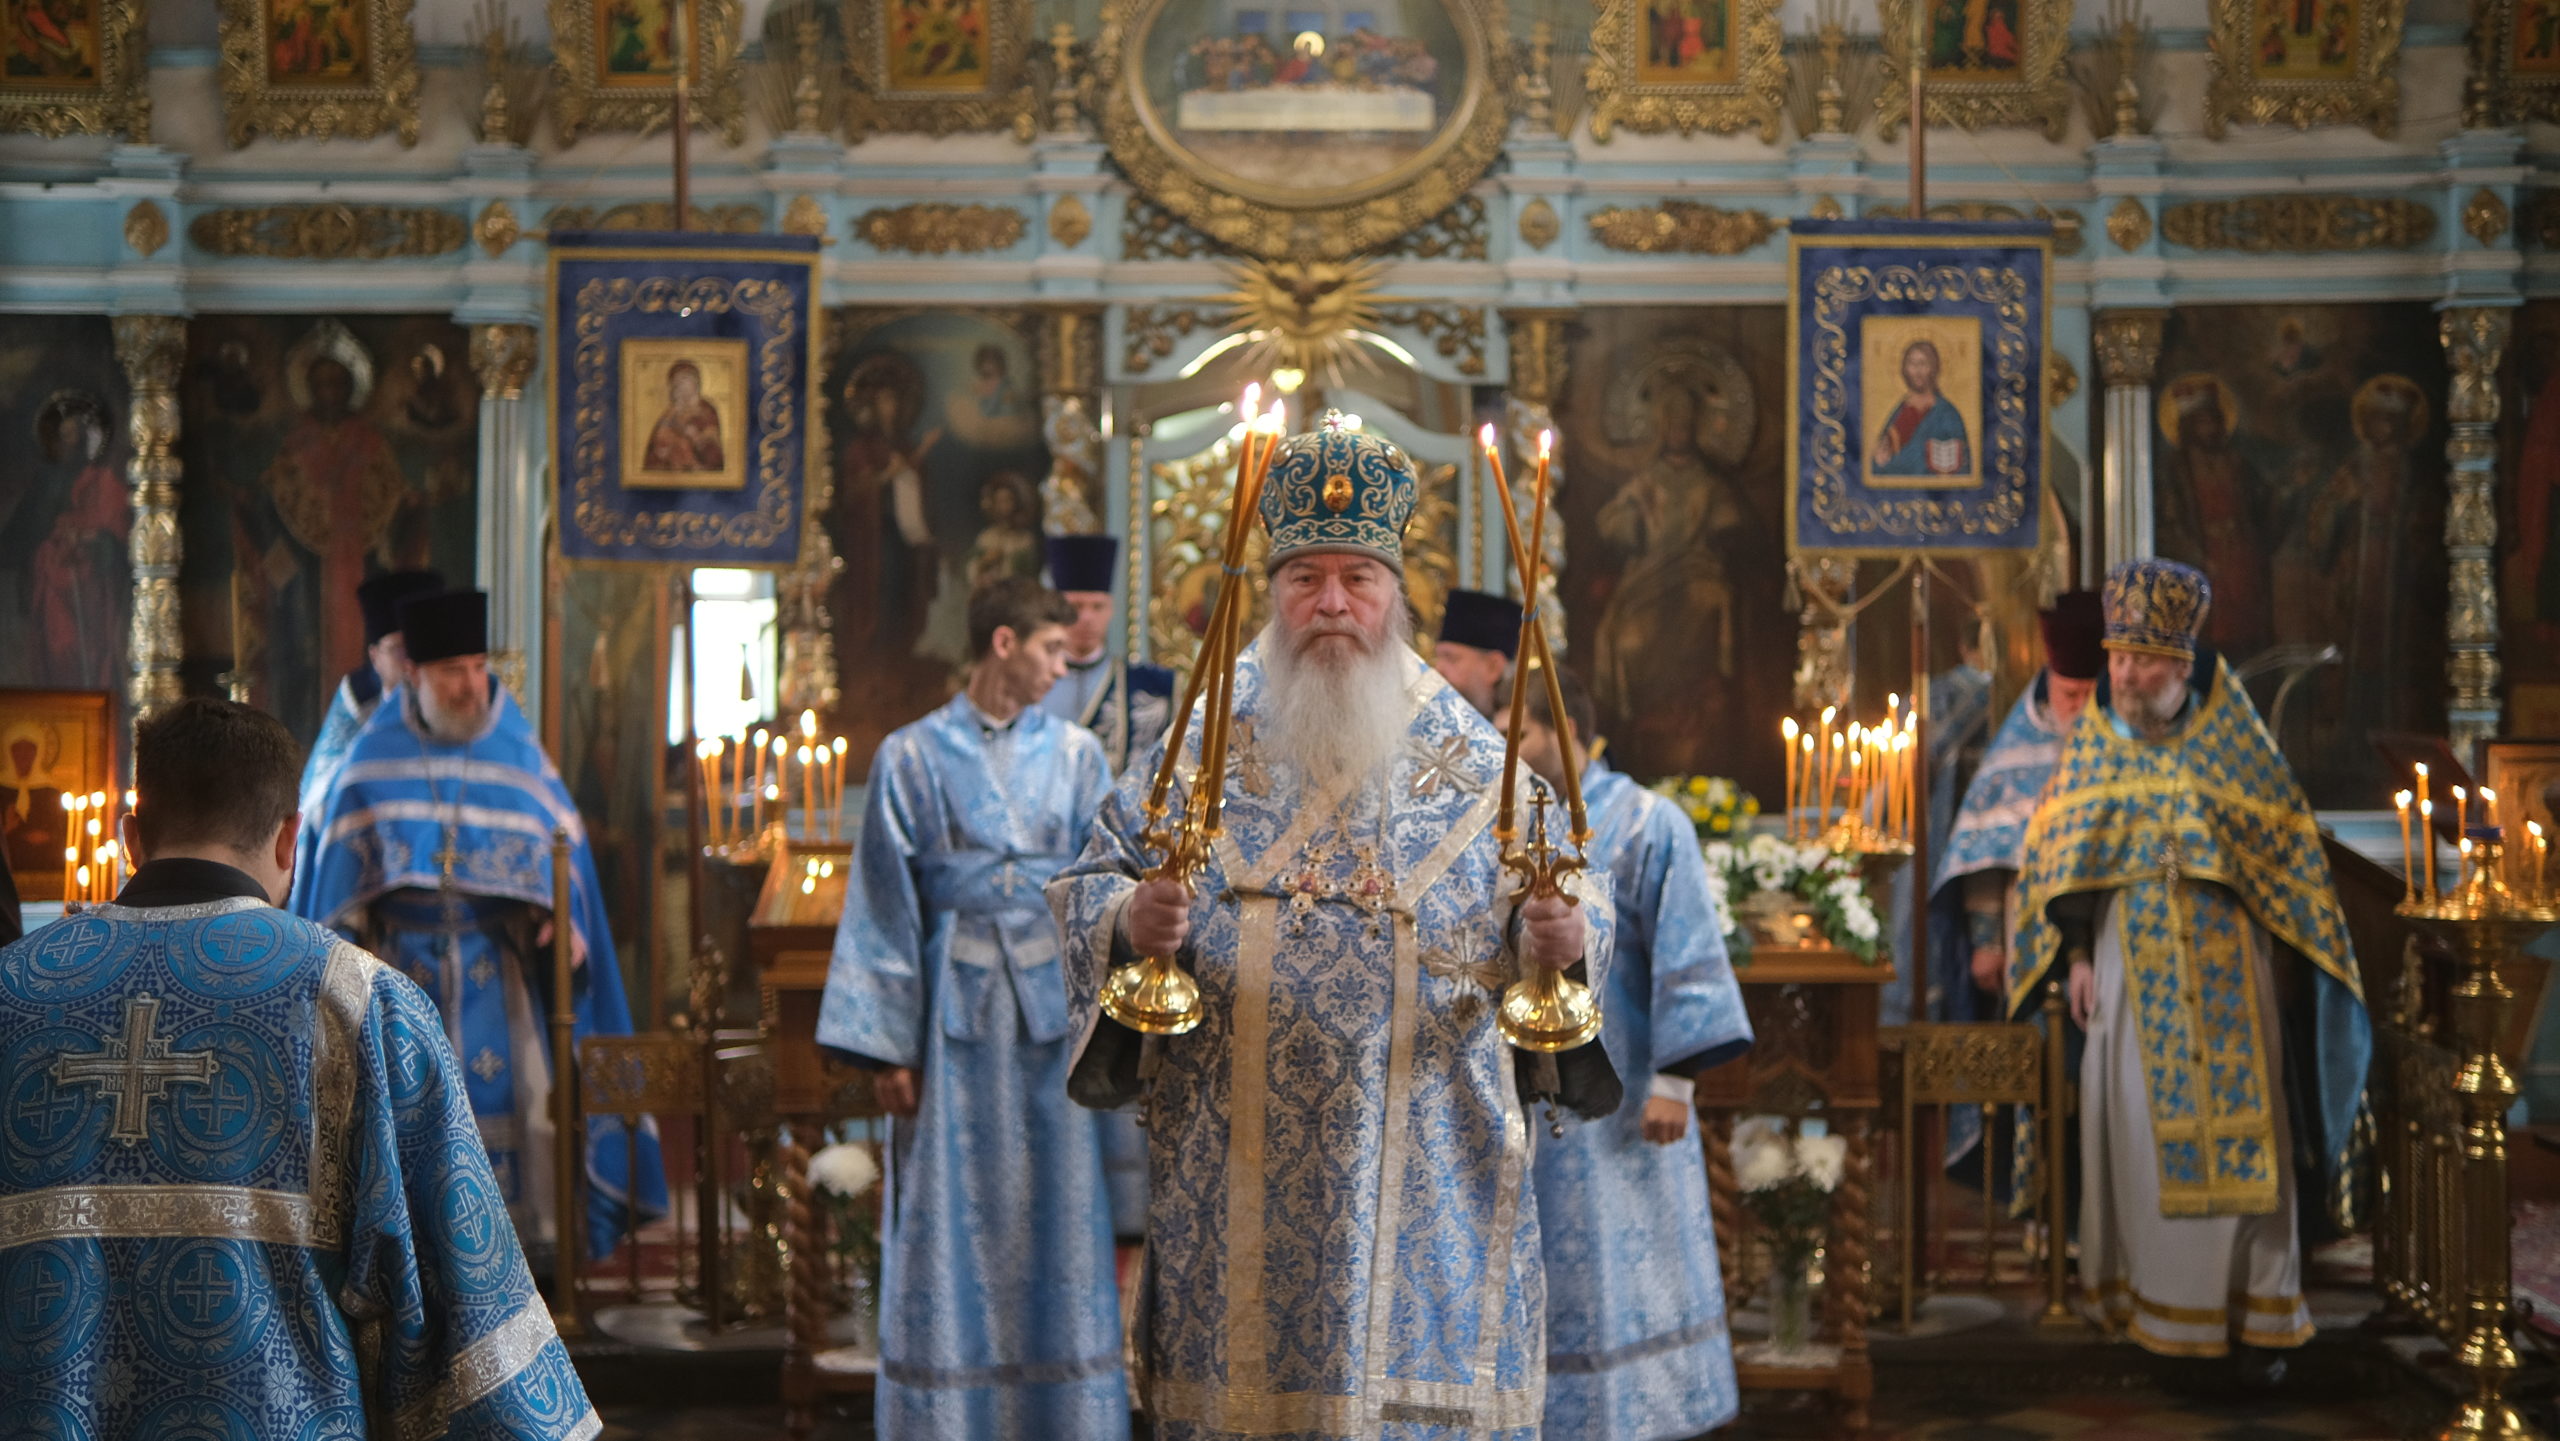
(1819, 1159)
(846, 1169)
(1768, 878)
(1845, 890)
(1861, 922)
(1719, 856)
(1761, 1167)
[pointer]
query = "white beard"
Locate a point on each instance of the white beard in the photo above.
(1340, 710)
(445, 728)
(2152, 714)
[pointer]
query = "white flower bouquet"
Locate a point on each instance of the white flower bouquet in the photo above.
(843, 1174)
(1828, 884)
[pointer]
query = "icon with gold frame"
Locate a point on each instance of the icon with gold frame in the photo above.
(323, 69)
(72, 67)
(2519, 43)
(1992, 64)
(2304, 63)
(613, 66)
(938, 67)
(683, 404)
(54, 744)
(1687, 65)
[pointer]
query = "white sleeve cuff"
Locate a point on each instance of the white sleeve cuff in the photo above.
(1674, 1088)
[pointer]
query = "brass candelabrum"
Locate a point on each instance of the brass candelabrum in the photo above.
(1154, 995)
(1545, 1011)
(2485, 918)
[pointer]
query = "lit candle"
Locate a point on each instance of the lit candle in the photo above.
(2462, 861)
(70, 834)
(1788, 730)
(2408, 851)
(1831, 773)
(2541, 846)
(2426, 793)
(763, 738)
(2489, 808)
(835, 813)
(2461, 814)
(808, 793)
(1806, 745)
(2427, 842)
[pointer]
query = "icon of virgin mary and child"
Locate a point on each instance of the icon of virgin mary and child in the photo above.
(1925, 435)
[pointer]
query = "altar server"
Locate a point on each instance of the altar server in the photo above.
(241, 1193)
(998, 1314)
(1478, 634)
(435, 851)
(1637, 1348)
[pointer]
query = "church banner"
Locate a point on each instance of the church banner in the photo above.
(684, 381)
(1915, 385)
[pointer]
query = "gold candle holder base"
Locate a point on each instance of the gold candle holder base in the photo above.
(1548, 1012)
(1153, 997)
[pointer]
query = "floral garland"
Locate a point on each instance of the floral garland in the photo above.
(1716, 806)
(1827, 882)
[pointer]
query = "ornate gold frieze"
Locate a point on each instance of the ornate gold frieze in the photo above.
(1754, 99)
(2236, 93)
(1975, 93)
(1461, 232)
(2300, 224)
(2129, 224)
(2061, 378)
(1539, 226)
(585, 96)
(1537, 353)
(1828, 207)
(657, 215)
(330, 99)
(2128, 345)
(153, 351)
(2067, 236)
(934, 228)
(497, 229)
(1682, 227)
(1310, 310)
(329, 232)
(2475, 342)
(805, 216)
(1003, 98)
(2486, 217)
(1148, 231)
(1455, 331)
(1067, 79)
(1148, 333)
(1069, 221)
(511, 77)
(146, 228)
(94, 93)
(502, 357)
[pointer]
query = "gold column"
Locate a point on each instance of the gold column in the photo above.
(2128, 343)
(808, 679)
(511, 512)
(2475, 340)
(1536, 383)
(153, 349)
(1070, 409)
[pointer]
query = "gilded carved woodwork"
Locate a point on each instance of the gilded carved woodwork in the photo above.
(1004, 99)
(1828, 207)
(502, 358)
(1684, 227)
(2128, 345)
(114, 98)
(329, 232)
(146, 228)
(2485, 218)
(2475, 342)
(1148, 333)
(2235, 93)
(805, 216)
(511, 76)
(656, 215)
(582, 102)
(2067, 237)
(1069, 221)
(935, 228)
(153, 351)
(808, 680)
(2299, 224)
(1069, 354)
(1539, 226)
(2129, 224)
(1462, 232)
(381, 96)
(1148, 231)
(1537, 353)
(1754, 99)
(2061, 378)
(1313, 313)
(1456, 332)
(1822, 637)
(2035, 94)
(2497, 92)
(497, 229)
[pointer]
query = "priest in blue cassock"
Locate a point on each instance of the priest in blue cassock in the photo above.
(1479, 632)
(241, 1194)
(1637, 1348)
(1341, 1236)
(998, 1312)
(360, 692)
(435, 852)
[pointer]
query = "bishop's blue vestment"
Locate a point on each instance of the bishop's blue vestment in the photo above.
(358, 696)
(1636, 1343)
(999, 1315)
(241, 1195)
(1342, 1240)
(438, 856)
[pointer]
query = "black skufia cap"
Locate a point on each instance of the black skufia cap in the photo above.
(1482, 620)
(380, 597)
(445, 625)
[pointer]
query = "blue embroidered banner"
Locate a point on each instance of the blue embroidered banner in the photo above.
(1916, 384)
(684, 381)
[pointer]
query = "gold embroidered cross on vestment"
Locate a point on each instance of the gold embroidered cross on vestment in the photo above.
(136, 1069)
(1435, 768)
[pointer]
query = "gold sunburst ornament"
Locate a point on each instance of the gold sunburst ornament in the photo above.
(1314, 316)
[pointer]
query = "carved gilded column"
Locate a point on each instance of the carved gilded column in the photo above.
(2475, 341)
(808, 624)
(1070, 409)
(1537, 380)
(153, 350)
(511, 508)
(2128, 344)
(1822, 583)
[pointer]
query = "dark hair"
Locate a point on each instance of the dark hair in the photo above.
(1015, 603)
(209, 771)
(1577, 700)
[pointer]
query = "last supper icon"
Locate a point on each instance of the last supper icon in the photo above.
(1249, 88)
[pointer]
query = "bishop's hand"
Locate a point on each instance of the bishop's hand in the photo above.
(1556, 931)
(1158, 920)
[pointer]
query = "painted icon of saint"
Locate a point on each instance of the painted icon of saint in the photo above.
(687, 435)
(48, 40)
(640, 37)
(316, 40)
(1926, 433)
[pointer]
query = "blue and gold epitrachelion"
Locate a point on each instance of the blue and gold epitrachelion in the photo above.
(1916, 386)
(684, 379)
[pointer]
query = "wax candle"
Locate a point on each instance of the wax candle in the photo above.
(808, 792)
(2425, 792)
(1788, 731)
(835, 813)
(2408, 852)
(2541, 847)
(2489, 808)
(2427, 842)
(2461, 813)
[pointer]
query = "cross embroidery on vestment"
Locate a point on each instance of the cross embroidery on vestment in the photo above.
(136, 1069)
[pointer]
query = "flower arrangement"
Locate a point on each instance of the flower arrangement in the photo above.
(1825, 882)
(1786, 1181)
(842, 1174)
(1716, 806)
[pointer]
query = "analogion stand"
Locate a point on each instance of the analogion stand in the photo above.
(1813, 1011)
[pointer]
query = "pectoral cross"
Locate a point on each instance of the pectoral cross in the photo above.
(447, 856)
(136, 1070)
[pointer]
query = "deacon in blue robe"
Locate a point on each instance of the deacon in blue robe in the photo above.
(436, 853)
(360, 692)
(241, 1194)
(1637, 1348)
(999, 1315)
(1342, 1240)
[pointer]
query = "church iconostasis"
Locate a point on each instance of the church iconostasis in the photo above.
(2529, 523)
(317, 451)
(1676, 554)
(2299, 461)
(935, 420)
(66, 584)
